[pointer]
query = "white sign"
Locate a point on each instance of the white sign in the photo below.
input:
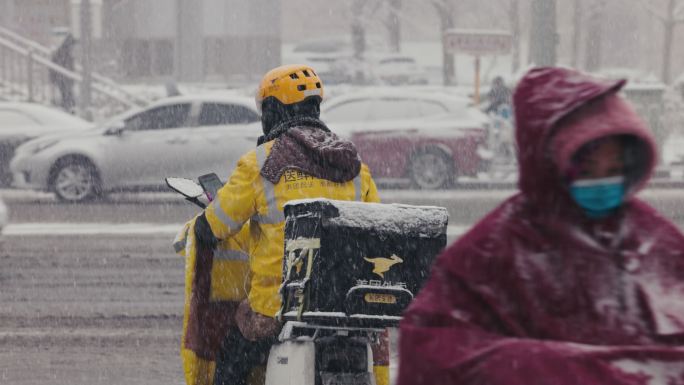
(477, 42)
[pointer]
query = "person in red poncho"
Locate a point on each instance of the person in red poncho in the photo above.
(572, 281)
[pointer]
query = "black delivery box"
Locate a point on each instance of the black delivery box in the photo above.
(354, 263)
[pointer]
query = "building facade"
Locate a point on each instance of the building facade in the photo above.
(195, 40)
(36, 19)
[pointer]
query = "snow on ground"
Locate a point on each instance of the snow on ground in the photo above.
(70, 228)
(103, 228)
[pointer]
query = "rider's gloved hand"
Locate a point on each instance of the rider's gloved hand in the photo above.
(254, 326)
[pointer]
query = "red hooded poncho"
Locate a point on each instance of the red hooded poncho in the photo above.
(536, 293)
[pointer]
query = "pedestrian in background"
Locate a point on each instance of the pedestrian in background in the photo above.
(64, 57)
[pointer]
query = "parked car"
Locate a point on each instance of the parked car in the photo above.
(183, 135)
(330, 57)
(427, 138)
(333, 69)
(333, 58)
(393, 69)
(20, 122)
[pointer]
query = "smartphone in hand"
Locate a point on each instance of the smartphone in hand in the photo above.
(211, 184)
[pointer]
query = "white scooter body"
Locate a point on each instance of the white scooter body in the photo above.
(293, 360)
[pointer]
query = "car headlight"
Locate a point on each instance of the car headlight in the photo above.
(34, 148)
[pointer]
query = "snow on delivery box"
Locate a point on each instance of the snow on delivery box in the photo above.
(352, 263)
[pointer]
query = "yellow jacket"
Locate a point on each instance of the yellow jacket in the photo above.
(248, 196)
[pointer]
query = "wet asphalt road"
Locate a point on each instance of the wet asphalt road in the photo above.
(105, 307)
(90, 308)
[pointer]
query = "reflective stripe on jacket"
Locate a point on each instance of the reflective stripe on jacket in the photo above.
(247, 195)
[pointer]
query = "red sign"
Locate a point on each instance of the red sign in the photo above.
(477, 43)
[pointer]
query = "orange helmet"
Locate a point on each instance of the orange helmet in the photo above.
(289, 84)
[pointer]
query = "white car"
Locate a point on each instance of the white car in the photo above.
(393, 69)
(333, 58)
(180, 136)
(326, 55)
(20, 122)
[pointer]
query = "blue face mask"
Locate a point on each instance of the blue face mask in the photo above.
(599, 197)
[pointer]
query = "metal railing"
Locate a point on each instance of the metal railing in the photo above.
(25, 75)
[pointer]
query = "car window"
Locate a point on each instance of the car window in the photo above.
(428, 108)
(350, 111)
(393, 109)
(159, 118)
(10, 118)
(215, 114)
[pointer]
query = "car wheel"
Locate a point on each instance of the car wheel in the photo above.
(75, 179)
(431, 169)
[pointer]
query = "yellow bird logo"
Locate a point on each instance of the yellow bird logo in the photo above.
(382, 265)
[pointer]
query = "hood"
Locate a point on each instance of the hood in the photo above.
(557, 111)
(313, 151)
(40, 131)
(57, 137)
(69, 134)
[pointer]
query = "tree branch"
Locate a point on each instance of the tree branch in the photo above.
(375, 7)
(652, 10)
(364, 11)
(411, 21)
(679, 11)
(440, 5)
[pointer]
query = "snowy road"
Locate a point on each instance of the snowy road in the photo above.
(92, 294)
(465, 207)
(131, 229)
(90, 310)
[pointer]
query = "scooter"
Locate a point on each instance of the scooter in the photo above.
(501, 144)
(349, 270)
